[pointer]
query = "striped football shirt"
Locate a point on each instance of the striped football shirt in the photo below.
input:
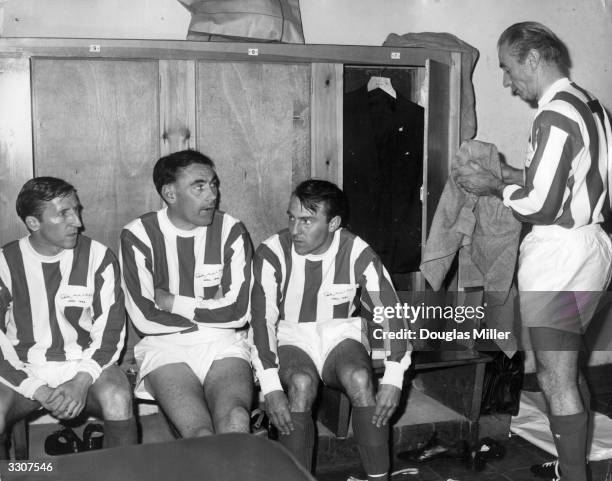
(310, 288)
(568, 161)
(67, 307)
(207, 269)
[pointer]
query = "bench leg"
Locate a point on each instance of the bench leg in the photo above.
(20, 439)
(334, 411)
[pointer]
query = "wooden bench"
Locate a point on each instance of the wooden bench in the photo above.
(454, 378)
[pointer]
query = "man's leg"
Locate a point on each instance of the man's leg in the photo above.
(349, 368)
(557, 373)
(110, 398)
(228, 388)
(179, 393)
(299, 377)
(13, 407)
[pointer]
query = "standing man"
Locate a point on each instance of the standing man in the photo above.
(566, 258)
(187, 272)
(309, 280)
(62, 318)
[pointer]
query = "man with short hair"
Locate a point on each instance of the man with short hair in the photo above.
(186, 271)
(565, 261)
(62, 318)
(309, 280)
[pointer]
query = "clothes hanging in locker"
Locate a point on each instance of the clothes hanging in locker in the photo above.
(383, 172)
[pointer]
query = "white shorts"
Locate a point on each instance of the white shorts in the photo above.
(318, 339)
(198, 349)
(53, 373)
(562, 274)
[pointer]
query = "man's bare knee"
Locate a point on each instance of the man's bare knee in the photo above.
(115, 402)
(358, 384)
(237, 420)
(302, 390)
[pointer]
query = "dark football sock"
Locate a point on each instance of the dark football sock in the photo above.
(300, 442)
(372, 442)
(120, 433)
(570, 435)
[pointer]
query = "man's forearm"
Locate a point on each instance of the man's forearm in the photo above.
(511, 176)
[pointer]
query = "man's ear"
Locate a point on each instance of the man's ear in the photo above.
(168, 193)
(334, 223)
(32, 223)
(533, 58)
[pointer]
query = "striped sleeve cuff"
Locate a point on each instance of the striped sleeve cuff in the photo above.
(394, 374)
(184, 306)
(91, 367)
(507, 193)
(29, 386)
(269, 381)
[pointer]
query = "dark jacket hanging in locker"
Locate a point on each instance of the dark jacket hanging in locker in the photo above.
(383, 173)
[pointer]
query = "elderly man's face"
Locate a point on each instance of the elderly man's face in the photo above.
(522, 78)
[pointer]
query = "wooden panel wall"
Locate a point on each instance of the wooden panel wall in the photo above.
(96, 124)
(253, 120)
(327, 94)
(177, 105)
(15, 142)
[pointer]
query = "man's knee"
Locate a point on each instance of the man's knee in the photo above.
(237, 420)
(357, 380)
(115, 400)
(303, 383)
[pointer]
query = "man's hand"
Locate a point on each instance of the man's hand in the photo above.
(387, 399)
(475, 179)
(277, 407)
(73, 395)
(164, 300)
(42, 395)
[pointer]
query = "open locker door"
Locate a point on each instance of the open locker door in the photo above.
(436, 146)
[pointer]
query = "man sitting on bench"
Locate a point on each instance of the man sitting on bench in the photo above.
(62, 319)
(187, 275)
(308, 281)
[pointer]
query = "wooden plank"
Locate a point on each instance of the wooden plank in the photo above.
(326, 128)
(15, 142)
(254, 122)
(244, 52)
(177, 107)
(96, 125)
(454, 107)
(436, 150)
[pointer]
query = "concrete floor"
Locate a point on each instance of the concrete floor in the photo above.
(337, 459)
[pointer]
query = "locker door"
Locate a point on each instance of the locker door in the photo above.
(441, 136)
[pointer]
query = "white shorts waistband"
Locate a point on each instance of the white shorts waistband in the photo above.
(556, 231)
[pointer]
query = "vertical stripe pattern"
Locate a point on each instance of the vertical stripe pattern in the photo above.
(65, 307)
(291, 287)
(566, 175)
(213, 280)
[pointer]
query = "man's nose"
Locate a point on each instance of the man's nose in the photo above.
(211, 194)
(506, 80)
(294, 228)
(76, 220)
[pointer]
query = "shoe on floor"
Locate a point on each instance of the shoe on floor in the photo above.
(549, 470)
